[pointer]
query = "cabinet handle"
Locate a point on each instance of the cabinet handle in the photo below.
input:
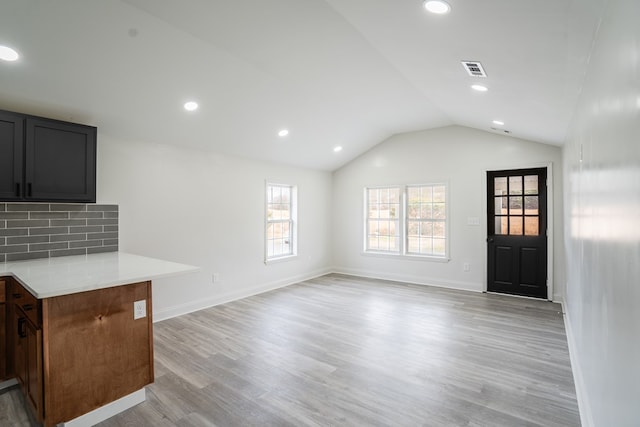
(21, 327)
(17, 296)
(27, 307)
(29, 189)
(17, 189)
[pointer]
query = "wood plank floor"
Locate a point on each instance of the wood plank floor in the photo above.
(347, 351)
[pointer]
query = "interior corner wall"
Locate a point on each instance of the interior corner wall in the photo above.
(459, 156)
(207, 210)
(602, 218)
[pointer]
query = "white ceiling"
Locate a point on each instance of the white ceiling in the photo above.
(334, 72)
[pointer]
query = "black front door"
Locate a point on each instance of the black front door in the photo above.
(517, 232)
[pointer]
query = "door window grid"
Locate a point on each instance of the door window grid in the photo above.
(516, 207)
(280, 227)
(418, 212)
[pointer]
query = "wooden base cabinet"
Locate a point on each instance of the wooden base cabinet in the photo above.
(78, 352)
(28, 360)
(4, 374)
(26, 338)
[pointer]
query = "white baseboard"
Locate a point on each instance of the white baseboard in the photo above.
(414, 280)
(107, 411)
(586, 418)
(179, 310)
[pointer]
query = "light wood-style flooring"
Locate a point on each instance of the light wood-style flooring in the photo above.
(348, 351)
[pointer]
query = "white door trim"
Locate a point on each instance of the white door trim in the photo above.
(550, 225)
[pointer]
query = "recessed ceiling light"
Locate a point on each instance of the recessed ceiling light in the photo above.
(498, 122)
(8, 54)
(283, 132)
(437, 6)
(337, 149)
(479, 88)
(191, 106)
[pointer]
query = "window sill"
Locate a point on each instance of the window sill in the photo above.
(281, 259)
(407, 257)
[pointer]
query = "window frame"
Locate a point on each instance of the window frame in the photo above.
(403, 252)
(292, 222)
(398, 220)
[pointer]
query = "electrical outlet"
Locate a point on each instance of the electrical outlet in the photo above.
(216, 277)
(139, 309)
(466, 266)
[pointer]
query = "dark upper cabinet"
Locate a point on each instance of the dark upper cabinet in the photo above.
(11, 153)
(54, 160)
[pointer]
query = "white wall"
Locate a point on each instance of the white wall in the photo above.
(602, 217)
(207, 210)
(460, 156)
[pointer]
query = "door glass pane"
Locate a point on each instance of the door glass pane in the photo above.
(501, 206)
(531, 205)
(515, 185)
(501, 225)
(500, 186)
(515, 225)
(531, 227)
(515, 205)
(531, 184)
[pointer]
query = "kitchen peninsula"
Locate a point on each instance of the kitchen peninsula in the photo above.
(78, 332)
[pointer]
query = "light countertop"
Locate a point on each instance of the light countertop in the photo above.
(51, 277)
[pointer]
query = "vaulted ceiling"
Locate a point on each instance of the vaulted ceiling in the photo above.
(346, 73)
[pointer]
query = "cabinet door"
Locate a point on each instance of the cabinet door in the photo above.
(11, 156)
(20, 348)
(33, 367)
(60, 162)
(3, 342)
(3, 331)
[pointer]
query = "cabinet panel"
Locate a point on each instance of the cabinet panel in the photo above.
(11, 156)
(60, 161)
(34, 386)
(3, 342)
(29, 304)
(28, 360)
(95, 351)
(20, 347)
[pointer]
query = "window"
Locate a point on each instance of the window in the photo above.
(426, 220)
(383, 219)
(418, 213)
(281, 217)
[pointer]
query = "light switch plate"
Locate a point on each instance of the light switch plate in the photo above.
(139, 309)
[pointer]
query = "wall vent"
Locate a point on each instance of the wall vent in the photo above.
(474, 68)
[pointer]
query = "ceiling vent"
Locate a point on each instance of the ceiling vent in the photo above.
(501, 130)
(474, 68)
